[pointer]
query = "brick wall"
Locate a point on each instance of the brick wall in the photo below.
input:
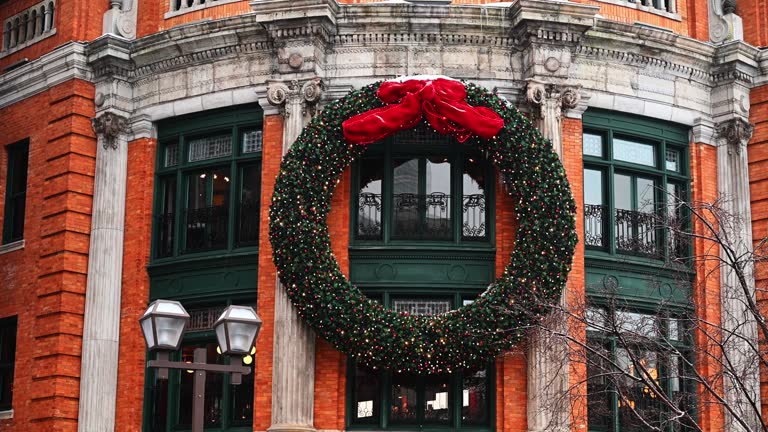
(270, 166)
(135, 294)
(754, 14)
(44, 283)
(706, 286)
(758, 178)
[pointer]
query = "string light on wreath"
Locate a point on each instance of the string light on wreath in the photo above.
(381, 338)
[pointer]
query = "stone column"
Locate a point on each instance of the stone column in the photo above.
(549, 403)
(740, 327)
(293, 367)
(101, 326)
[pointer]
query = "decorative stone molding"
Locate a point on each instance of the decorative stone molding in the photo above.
(287, 97)
(108, 127)
(735, 133)
(551, 100)
(28, 27)
(724, 24)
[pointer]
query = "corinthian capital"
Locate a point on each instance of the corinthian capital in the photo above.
(108, 127)
(295, 95)
(735, 133)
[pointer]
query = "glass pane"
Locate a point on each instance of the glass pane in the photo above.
(676, 239)
(214, 387)
(248, 217)
(473, 199)
(594, 211)
(599, 394)
(644, 220)
(166, 220)
(207, 215)
(210, 147)
(672, 160)
(252, 141)
(636, 397)
(645, 195)
(596, 318)
(673, 326)
(367, 396)
(18, 209)
(637, 324)
(474, 398)
(405, 200)
(622, 200)
(438, 199)
(635, 152)
(437, 408)
(171, 155)
(241, 396)
(20, 155)
(369, 199)
(403, 407)
(592, 145)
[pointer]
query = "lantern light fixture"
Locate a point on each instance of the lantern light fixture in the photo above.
(236, 329)
(163, 325)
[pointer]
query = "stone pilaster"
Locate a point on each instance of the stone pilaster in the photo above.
(549, 402)
(742, 384)
(293, 376)
(550, 102)
(101, 326)
(121, 18)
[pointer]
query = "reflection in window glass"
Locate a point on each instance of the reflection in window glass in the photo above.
(637, 324)
(437, 409)
(403, 407)
(369, 199)
(438, 200)
(248, 227)
(594, 211)
(405, 205)
(473, 199)
(474, 406)
(645, 195)
(367, 395)
(207, 214)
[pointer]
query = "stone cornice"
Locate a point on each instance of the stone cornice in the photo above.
(735, 61)
(551, 22)
(64, 63)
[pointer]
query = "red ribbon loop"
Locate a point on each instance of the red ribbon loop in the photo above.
(441, 101)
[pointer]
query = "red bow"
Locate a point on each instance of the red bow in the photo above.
(441, 101)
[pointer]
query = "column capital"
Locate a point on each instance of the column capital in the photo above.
(564, 97)
(108, 127)
(734, 133)
(295, 94)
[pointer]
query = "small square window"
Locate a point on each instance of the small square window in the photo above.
(252, 141)
(210, 147)
(672, 160)
(592, 145)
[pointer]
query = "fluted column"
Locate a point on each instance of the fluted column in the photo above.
(293, 370)
(549, 404)
(742, 387)
(101, 325)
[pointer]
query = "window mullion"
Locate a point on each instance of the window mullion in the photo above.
(234, 202)
(387, 194)
(610, 190)
(422, 197)
(457, 192)
(182, 188)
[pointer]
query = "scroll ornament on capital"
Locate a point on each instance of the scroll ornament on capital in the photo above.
(109, 126)
(538, 94)
(289, 96)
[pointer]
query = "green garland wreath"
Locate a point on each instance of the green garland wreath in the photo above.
(381, 338)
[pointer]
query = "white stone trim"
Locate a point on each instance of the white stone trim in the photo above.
(195, 7)
(60, 65)
(647, 108)
(4, 249)
(7, 414)
(26, 44)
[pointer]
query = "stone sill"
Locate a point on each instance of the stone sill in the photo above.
(28, 43)
(6, 248)
(5, 415)
(640, 7)
(197, 7)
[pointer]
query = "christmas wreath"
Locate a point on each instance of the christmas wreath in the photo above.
(372, 334)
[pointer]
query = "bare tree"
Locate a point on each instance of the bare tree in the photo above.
(659, 370)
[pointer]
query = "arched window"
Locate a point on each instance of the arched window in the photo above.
(32, 25)
(15, 33)
(7, 36)
(49, 17)
(43, 19)
(23, 28)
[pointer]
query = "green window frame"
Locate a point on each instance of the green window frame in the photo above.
(7, 361)
(227, 407)
(386, 400)
(406, 190)
(636, 173)
(208, 188)
(15, 191)
(640, 342)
